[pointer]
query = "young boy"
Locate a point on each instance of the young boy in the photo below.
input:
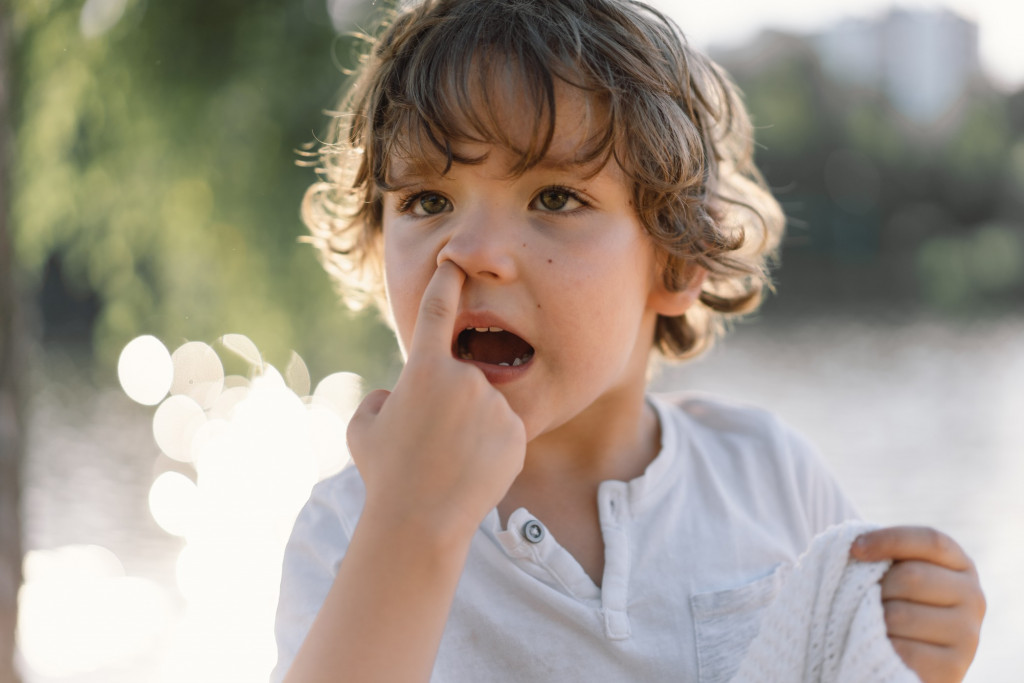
(539, 193)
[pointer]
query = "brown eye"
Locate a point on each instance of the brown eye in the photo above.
(556, 199)
(553, 200)
(430, 204)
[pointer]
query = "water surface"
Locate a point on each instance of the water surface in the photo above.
(922, 422)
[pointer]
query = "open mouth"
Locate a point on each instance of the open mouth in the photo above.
(494, 346)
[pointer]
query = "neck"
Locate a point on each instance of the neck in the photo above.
(615, 438)
(563, 469)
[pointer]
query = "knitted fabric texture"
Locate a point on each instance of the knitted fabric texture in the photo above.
(827, 624)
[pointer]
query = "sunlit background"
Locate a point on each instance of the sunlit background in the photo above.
(184, 371)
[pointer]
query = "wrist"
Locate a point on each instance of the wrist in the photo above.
(432, 531)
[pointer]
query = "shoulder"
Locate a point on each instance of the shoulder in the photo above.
(334, 506)
(323, 527)
(731, 424)
(756, 456)
(317, 544)
(343, 491)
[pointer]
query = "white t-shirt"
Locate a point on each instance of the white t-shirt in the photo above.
(692, 553)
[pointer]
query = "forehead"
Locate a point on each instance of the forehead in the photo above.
(564, 129)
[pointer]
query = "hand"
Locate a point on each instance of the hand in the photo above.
(932, 599)
(444, 446)
(435, 455)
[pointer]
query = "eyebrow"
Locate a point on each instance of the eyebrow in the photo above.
(566, 164)
(406, 171)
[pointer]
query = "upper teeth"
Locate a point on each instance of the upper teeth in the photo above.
(486, 329)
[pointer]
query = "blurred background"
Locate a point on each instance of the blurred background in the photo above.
(149, 230)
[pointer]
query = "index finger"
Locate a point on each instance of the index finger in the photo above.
(910, 543)
(438, 307)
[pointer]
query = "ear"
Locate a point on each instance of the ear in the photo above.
(672, 303)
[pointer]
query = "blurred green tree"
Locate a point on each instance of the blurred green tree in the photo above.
(11, 389)
(155, 188)
(886, 209)
(156, 182)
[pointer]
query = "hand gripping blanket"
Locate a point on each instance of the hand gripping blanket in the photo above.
(827, 623)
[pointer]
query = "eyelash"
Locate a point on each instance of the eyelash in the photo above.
(407, 201)
(569, 192)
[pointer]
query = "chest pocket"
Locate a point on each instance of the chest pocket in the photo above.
(727, 621)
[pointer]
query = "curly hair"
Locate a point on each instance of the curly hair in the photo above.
(672, 120)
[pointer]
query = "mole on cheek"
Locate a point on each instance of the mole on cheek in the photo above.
(550, 261)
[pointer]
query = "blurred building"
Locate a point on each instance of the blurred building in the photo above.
(923, 60)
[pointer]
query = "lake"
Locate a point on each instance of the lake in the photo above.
(922, 421)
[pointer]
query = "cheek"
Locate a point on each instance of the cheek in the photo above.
(405, 278)
(619, 267)
(610, 291)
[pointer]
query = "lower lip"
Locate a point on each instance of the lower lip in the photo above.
(501, 374)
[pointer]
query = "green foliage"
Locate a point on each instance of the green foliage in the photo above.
(915, 212)
(157, 160)
(786, 115)
(967, 269)
(156, 150)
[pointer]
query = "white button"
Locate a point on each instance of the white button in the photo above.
(533, 531)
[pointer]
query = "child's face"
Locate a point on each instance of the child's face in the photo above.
(553, 256)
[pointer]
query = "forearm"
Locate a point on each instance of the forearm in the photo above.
(385, 613)
(432, 467)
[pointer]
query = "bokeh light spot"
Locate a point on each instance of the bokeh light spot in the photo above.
(213, 436)
(79, 613)
(226, 402)
(145, 370)
(232, 381)
(327, 438)
(174, 426)
(244, 348)
(198, 373)
(174, 503)
(340, 392)
(257, 446)
(296, 375)
(99, 16)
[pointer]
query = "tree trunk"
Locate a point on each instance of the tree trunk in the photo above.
(11, 416)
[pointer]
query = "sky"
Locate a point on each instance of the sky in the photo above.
(729, 22)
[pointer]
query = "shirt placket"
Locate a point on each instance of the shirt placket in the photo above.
(612, 504)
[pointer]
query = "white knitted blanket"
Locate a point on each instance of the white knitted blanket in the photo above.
(827, 624)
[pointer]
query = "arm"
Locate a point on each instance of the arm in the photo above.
(435, 455)
(932, 599)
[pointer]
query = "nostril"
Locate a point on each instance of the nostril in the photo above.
(488, 257)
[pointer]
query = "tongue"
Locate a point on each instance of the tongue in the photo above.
(496, 347)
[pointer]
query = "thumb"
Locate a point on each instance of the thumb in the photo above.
(362, 418)
(372, 403)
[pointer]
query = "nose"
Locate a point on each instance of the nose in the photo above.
(483, 244)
